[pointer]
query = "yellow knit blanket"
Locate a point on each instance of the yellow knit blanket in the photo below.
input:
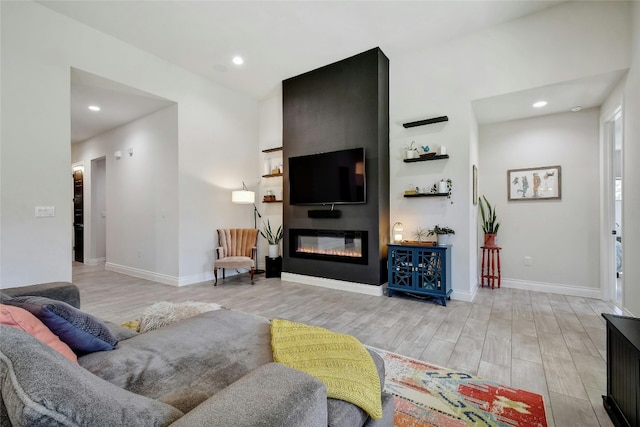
(340, 361)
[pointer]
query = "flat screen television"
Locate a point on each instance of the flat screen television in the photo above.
(336, 177)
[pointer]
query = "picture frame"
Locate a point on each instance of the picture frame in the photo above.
(541, 183)
(474, 174)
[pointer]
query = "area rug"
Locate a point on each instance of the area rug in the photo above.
(428, 395)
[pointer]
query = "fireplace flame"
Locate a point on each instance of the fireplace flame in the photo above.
(353, 253)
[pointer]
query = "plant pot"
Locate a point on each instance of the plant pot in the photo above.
(274, 251)
(490, 240)
(411, 154)
(443, 239)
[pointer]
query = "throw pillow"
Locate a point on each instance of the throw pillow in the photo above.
(165, 313)
(39, 388)
(340, 361)
(81, 331)
(19, 318)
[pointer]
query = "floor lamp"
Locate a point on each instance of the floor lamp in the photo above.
(246, 197)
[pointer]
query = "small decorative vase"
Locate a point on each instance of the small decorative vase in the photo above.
(490, 240)
(273, 251)
(410, 154)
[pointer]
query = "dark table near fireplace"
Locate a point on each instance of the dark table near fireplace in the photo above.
(622, 401)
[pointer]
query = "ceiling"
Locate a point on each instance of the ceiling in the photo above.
(278, 40)
(119, 104)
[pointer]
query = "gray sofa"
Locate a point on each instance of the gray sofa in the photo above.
(214, 369)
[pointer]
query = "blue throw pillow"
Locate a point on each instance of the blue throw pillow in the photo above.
(81, 331)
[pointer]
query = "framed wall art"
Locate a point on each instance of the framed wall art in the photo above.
(541, 183)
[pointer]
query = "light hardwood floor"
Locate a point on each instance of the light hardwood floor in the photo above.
(546, 343)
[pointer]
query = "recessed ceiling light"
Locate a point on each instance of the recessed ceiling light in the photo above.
(238, 60)
(539, 104)
(94, 108)
(576, 108)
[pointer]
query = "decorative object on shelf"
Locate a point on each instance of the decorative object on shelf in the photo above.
(443, 150)
(411, 150)
(426, 152)
(425, 122)
(420, 234)
(541, 183)
(272, 238)
(443, 187)
(443, 234)
(411, 190)
(490, 224)
(269, 197)
(396, 231)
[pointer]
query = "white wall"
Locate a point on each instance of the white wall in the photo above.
(567, 42)
(631, 174)
(217, 142)
(141, 193)
(561, 236)
(570, 41)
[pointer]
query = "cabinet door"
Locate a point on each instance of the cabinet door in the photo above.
(430, 264)
(401, 268)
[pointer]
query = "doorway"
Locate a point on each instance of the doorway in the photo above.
(78, 215)
(612, 263)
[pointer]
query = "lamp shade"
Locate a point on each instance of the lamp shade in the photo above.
(243, 196)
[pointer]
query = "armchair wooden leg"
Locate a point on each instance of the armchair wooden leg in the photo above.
(252, 270)
(215, 274)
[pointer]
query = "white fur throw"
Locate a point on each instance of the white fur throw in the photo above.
(165, 313)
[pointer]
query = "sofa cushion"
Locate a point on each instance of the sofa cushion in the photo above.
(40, 387)
(20, 318)
(81, 331)
(185, 363)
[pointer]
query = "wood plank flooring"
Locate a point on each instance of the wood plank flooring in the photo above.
(547, 343)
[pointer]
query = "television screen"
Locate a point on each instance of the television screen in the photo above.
(328, 178)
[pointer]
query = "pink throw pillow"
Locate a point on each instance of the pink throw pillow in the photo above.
(21, 319)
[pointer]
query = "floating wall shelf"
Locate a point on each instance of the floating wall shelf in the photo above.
(426, 122)
(272, 201)
(272, 150)
(272, 175)
(424, 159)
(427, 195)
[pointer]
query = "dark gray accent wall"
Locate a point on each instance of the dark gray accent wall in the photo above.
(342, 105)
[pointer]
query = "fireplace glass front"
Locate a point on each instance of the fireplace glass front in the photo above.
(329, 245)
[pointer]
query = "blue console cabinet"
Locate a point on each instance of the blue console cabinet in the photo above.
(420, 270)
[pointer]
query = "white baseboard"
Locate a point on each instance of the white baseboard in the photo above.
(342, 285)
(143, 274)
(95, 261)
(196, 278)
(464, 295)
(552, 288)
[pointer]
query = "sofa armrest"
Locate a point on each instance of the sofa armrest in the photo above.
(60, 291)
(220, 252)
(272, 395)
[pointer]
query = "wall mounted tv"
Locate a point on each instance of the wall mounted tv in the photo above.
(336, 177)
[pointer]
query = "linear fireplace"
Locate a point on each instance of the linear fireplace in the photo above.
(329, 245)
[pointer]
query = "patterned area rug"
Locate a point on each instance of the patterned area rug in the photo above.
(428, 395)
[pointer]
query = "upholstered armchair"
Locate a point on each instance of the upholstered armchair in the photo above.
(236, 249)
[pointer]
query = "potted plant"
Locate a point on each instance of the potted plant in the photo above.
(443, 187)
(490, 224)
(411, 150)
(272, 238)
(443, 234)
